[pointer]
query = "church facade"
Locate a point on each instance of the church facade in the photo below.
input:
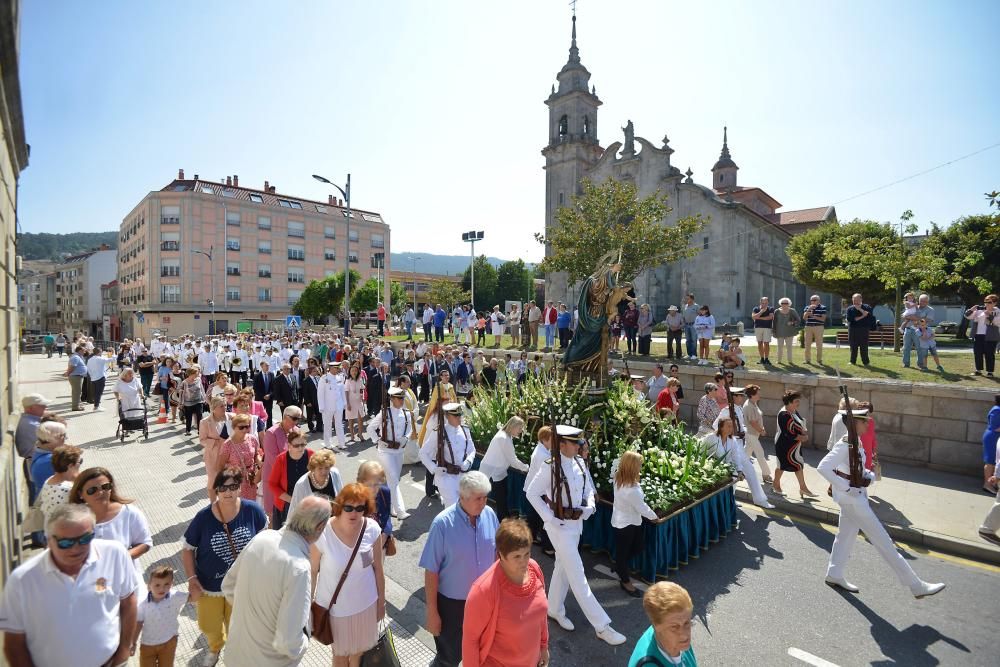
(743, 242)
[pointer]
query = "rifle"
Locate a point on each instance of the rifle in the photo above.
(386, 414)
(738, 429)
(557, 476)
(857, 477)
(449, 468)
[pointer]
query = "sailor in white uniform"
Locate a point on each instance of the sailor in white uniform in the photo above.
(576, 505)
(733, 449)
(332, 401)
(391, 441)
(856, 515)
(457, 456)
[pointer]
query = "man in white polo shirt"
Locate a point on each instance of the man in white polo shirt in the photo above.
(74, 603)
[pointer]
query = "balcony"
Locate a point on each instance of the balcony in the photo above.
(230, 271)
(264, 251)
(170, 245)
(170, 271)
(170, 220)
(263, 274)
(298, 255)
(330, 255)
(233, 245)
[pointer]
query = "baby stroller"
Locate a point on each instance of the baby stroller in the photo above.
(133, 419)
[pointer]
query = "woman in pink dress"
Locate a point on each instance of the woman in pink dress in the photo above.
(242, 451)
(355, 411)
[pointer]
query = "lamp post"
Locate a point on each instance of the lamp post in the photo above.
(472, 237)
(415, 260)
(346, 191)
(211, 269)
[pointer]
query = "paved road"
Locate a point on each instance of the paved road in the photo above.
(758, 593)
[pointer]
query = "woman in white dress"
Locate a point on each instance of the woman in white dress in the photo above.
(499, 457)
(496, 325)
(128, 391)
(116, 518)
(66, 462)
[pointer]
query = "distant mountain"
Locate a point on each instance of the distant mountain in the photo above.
(450, 265)
(57, 246)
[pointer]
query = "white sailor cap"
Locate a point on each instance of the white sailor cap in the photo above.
(857, 413)
(452, 408)
(737, 390)
(396, 392)
(637, 377)
(567, 432)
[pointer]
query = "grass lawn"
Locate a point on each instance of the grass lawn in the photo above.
(885, 365)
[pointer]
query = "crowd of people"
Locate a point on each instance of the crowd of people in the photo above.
(272, 502)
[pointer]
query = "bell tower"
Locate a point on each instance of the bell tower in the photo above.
(724, 170)
(572, 147)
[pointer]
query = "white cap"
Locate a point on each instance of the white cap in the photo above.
(396, 392)
(452, 408)
(31, 400)
(857, 413)
(567, 432)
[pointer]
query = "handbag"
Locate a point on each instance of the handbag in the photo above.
(383, 654)
(34, 520)
(390, 545)
(322, 632)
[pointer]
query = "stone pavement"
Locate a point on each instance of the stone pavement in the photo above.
(166, 477)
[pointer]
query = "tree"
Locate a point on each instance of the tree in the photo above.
(515, 282)
(367, 297)
(485, 292)
(323, 298)
(970, 247)
(815, 264)
(447, 293)
(610, 217)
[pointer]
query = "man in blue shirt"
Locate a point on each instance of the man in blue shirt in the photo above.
(75, 372)
(461, 546)
(439, 318)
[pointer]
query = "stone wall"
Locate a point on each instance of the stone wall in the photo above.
(926, 425)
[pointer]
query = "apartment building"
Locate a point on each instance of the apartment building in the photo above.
(37, 301)
(248, 251)
(78, 290)
(110, 303)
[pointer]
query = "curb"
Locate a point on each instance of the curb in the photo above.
(953, 546)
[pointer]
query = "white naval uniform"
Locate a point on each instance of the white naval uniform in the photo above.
(458, 450)
(209, 362)
(399, 427)
(332, 401)
(856, 514)
(564, 534)
(411, 452)
(734, 451)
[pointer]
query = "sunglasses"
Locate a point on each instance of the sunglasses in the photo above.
(70, 542)
(229, 487)
(360, 509)
(107, 486)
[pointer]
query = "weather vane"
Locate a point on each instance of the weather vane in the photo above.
(573, 5)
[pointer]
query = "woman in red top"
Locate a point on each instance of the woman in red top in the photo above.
(289, 466)
(506, 613)
(667, 403)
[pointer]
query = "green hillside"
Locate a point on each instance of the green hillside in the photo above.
(57, 246)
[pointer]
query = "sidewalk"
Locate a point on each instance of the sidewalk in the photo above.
(165, 475)
(919, 506)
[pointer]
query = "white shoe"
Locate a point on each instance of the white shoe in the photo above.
(611, 636)
(402, 515)
(767, 506)
(210, 659)
(100, 409)
(833, 582)
(924, 589)
(691, 356)
(565, 623)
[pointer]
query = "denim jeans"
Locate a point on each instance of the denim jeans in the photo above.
(690, 337)
(911, 341)
(409, 330)
(550, 335)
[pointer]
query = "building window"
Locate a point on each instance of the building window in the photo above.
(257, 199)
(704, 243)
(353, 236)
(738, 301)
(296, 276)
(170, 215)
(293, 296)
(378, 241)
(170, 293)
(296, 228)
(371, 217)
(233, 244)
(330, 232)
(285, 203)
(562, 198)
(329, 253)
(264, 247)
(233, 294)
(170, 245)
(320, 208)
(263, 270)
(207, 190)
(232, 268)
(233, 218)
(344, 213)
(563, 127)
(296, 252)
(263, 223)
(264, 293)
(352, 257)
(169, 241)
(170, 267)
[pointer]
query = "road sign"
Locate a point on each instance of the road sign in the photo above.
(293, 321)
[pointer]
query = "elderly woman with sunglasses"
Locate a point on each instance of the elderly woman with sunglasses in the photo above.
(243, 451)
(212, 541)
(360, 604)
(213, 431)
(289, 467)
(116, 517)
(322, 479)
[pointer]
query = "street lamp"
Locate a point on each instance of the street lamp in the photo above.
(415, 260)
(472, 237)
(211, 269)
(346, 191)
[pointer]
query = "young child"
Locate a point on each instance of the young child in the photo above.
(626, 517)
(157, 619)
(909, 310)
(928, 343)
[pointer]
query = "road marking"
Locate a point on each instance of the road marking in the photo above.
(809, 658)
(606, 571)
(916, 548)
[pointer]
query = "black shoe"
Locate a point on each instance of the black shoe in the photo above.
(635, 592)
(551, 553)
(433, 494)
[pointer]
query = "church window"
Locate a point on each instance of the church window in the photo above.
(563, 127)
(737, 301)
(586, 126)
(561, 198)
(704, 243)
(722, 177)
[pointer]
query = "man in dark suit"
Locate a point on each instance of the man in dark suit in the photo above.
(263, 386)
(374, 387)
(310, 400)
(285, 390)
(298, 376)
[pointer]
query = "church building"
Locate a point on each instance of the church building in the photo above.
(743, 243)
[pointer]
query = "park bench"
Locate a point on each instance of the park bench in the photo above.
(882, 336)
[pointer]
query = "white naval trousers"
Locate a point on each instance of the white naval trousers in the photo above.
(856, 515)
(568, 574)
(331, 420)
(753, 448)
(448, 487)
(991, 524)
(753, 481)
(392, 462)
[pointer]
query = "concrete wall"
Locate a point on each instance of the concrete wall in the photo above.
(925, 425)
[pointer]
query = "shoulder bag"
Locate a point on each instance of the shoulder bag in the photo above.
(322, 632)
